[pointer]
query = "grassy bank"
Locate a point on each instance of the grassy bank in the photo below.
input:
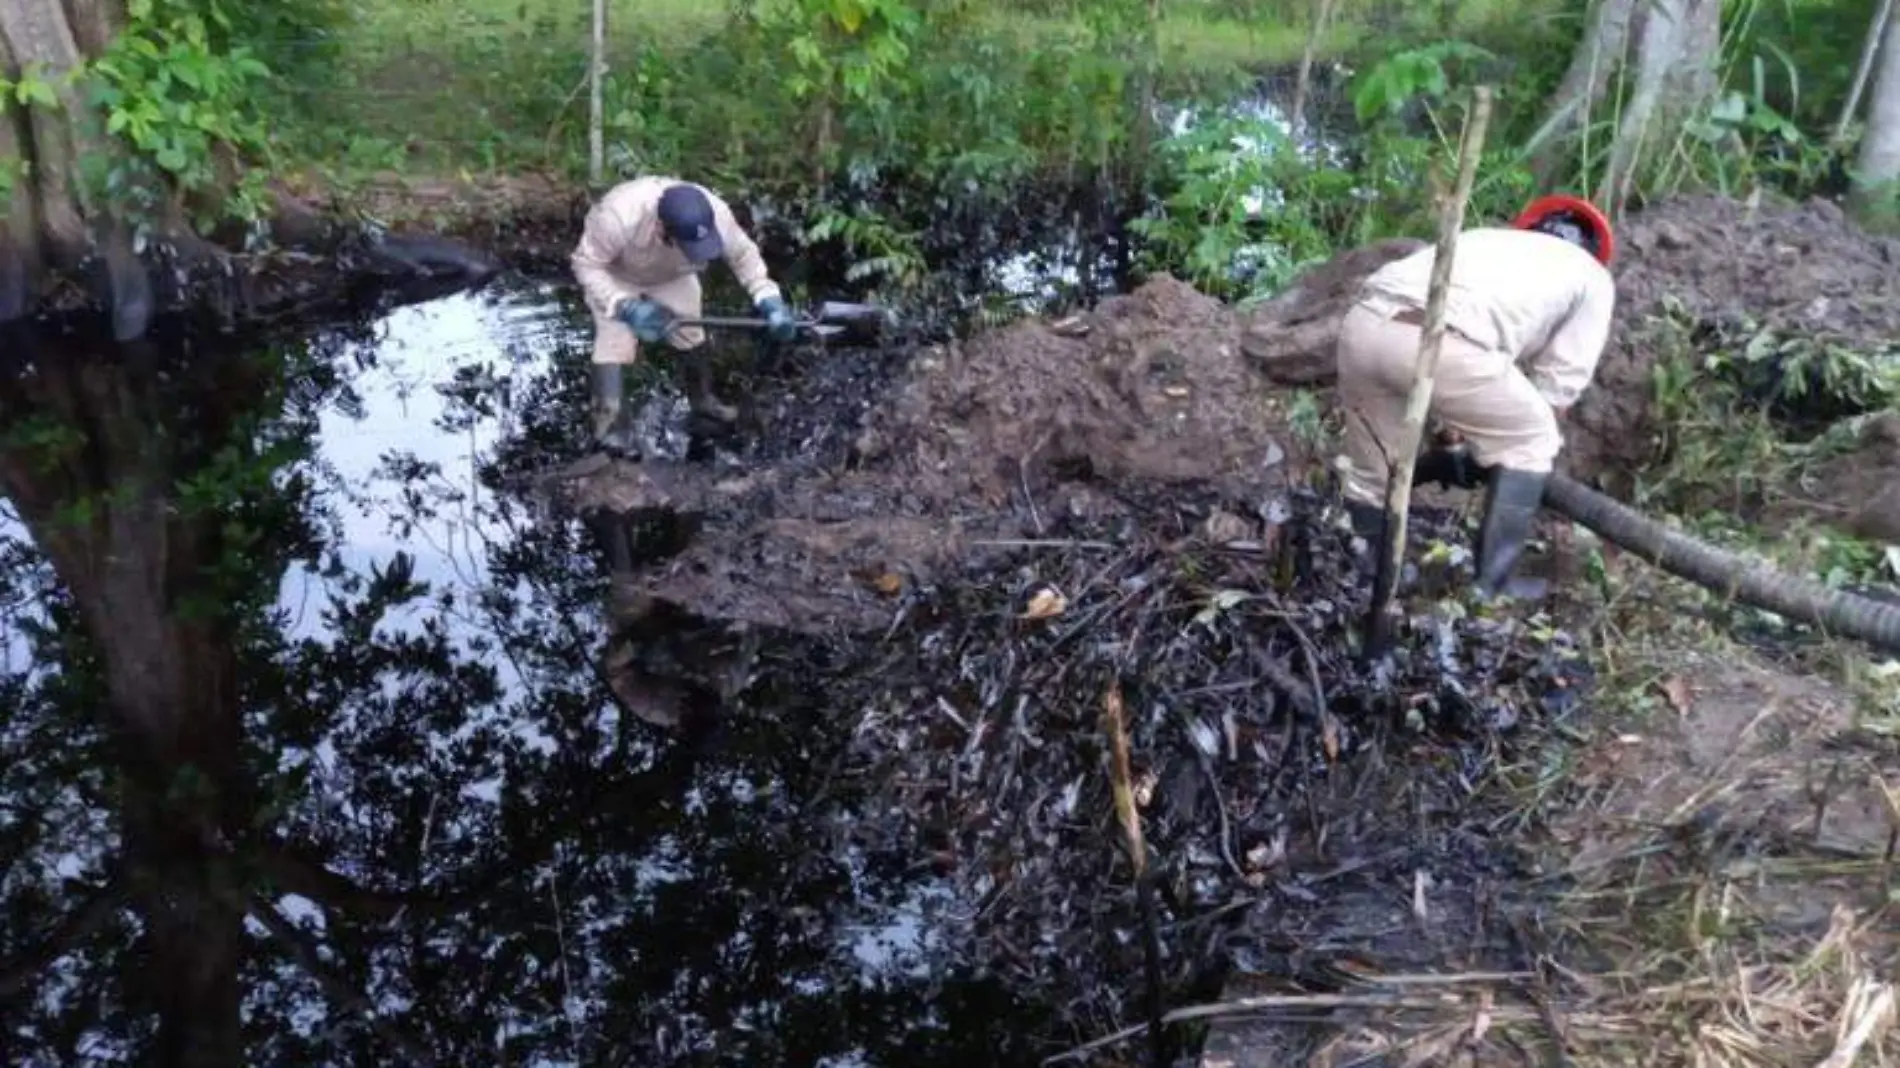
(500, 85)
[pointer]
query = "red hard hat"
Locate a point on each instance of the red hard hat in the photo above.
(1577, 210)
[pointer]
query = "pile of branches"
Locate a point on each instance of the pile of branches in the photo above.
(1265, 759)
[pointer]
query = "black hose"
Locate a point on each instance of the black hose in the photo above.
(1752, 583)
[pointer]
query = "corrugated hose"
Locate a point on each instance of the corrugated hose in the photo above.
(1835, 612)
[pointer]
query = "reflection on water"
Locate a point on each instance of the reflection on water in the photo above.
(440, 836)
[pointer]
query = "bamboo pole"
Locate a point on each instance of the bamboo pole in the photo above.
(596, 105)
(1869, 49)
(1402, 456)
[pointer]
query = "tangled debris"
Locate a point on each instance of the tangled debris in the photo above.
(1293, 804)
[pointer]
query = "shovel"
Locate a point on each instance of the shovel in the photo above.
(832, 320)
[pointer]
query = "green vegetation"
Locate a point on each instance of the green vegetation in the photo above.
(862, 119)
(702, 86)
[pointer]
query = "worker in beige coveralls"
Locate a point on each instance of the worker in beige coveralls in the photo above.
(1539, 292)
(638, 262)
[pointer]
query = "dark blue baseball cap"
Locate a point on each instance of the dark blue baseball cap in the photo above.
(686, 214)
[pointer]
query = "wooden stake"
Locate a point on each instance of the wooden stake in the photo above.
(1402, 456)
(596, 105)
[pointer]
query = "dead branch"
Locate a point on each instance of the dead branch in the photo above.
(301, 949)
(1263, 1003)
(1122, 780)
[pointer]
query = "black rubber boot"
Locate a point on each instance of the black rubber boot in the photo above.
(700, 395)
(613, 419)
(1368, 522)
(1511, 502)
(1368, 525)
(1452, 467)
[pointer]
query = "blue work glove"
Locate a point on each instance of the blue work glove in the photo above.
(779, 325)
(647, 319)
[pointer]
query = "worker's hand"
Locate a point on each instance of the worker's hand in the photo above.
(779, 325)
(649, 320)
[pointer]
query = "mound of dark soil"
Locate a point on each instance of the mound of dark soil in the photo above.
(1148, 385)
(1803, 268)
(970, 448)
(1860, 490)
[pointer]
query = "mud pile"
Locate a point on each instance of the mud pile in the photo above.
(967, 450)
(1147, 386)
(1802, 268)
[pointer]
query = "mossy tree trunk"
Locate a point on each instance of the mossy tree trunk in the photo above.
(58, 223)
(1663, 56)
(79, 204)
(1877, 168)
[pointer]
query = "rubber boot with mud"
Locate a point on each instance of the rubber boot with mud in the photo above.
(1448, 466)
(700, 395)
(613, 419)
(1511, 502)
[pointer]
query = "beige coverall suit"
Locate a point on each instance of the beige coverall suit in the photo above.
(1515, 294)
(623, 254)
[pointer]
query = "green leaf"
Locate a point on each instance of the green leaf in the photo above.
(35, 91)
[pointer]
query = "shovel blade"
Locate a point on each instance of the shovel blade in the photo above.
(850, 323)
(839, 313)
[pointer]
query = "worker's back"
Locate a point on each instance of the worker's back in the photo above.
(1510, 289)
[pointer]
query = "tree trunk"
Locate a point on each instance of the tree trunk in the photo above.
(55, 225)
(1669, 73)
(78, 233)
(136, 559)
(1662, 57)
(1878, 167)
(1296, 115)
(1598, 57)
(20, 263)
(1863, 69)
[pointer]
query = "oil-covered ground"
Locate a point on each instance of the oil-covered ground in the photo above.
(780, 747)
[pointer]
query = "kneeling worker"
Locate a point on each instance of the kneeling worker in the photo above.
(638, 263)
(1539, 291)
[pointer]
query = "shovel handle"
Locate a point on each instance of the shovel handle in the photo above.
(720, 321)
